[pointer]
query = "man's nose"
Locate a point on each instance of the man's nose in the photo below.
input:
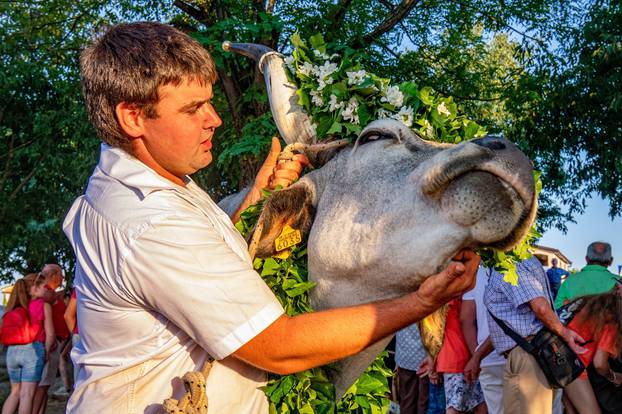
(212, 120)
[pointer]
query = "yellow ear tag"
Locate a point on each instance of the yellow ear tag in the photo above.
(289, 237)
(283, 254)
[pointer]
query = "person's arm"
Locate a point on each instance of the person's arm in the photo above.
(293, 344)
(48, 324)
(272, 174)
(601, 364)
(472, 368)
(70, 314)
(468, 323)
(541, 307)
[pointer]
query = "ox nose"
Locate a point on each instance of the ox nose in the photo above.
(492, 143)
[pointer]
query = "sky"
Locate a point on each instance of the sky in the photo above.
(594, 225)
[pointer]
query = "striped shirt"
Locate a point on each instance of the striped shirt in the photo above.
(511, 303)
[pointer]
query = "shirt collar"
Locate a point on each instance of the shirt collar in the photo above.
(596, 267)
(118, 164)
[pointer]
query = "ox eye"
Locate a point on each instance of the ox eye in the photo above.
(374, 137)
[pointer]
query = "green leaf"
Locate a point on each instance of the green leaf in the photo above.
(317, 41)
(335, 128)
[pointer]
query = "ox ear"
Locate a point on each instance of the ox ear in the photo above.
(291, 207)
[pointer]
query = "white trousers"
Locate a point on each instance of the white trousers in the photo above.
(491, 380)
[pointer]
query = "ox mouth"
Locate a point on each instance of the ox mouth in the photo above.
(494, 210)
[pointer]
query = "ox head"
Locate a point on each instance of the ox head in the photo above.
(392, 209)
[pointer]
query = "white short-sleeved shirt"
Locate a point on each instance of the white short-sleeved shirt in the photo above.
(477, 295)
(162, 279)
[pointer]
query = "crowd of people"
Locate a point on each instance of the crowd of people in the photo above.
(485, 370)
(38, 329)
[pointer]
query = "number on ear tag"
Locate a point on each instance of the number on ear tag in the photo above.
(289, 237)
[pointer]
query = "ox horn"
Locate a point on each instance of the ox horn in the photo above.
(293, 123)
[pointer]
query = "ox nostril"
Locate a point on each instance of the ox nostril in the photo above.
(489, 142)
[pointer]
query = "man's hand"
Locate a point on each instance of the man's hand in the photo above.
(472, 369)
(274, 172)
(458, 277)
(426, 367)
(435, 378)
(271, 174)
(574, 340)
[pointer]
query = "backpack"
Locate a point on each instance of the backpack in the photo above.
(16, 328)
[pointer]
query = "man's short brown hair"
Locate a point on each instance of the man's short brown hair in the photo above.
(128, 63)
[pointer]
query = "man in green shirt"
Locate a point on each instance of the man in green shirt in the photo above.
(592, 279)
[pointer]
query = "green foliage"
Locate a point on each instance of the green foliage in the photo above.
(342, 97)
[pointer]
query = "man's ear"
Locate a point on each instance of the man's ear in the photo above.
(130, 119)
(292, 206)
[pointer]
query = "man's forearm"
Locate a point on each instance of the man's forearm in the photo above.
(545, 313)
(253, 196)
(484, 349)
(293, 344)
(309, 340)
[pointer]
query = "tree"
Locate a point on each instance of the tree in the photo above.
(47, 147)
(569, 116)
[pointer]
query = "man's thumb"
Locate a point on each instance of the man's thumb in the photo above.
(455, 269)
(275, 150)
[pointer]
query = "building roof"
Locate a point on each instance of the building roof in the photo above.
(553, 251)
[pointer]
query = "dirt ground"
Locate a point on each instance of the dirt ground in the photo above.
(56, 404)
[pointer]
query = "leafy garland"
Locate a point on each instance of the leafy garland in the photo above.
(341, 98)
(311, 391)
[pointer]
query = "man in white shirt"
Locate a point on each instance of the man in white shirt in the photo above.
(474, 322)
(163, 279)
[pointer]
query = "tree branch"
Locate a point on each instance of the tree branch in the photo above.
(394, 18)
(26, 178)
(270, 6)
(338, 14)
(198, 14)
(233, 95)
(540, 42)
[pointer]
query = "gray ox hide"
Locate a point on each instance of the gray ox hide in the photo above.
(384, 214)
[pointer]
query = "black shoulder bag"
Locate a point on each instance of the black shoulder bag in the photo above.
(559, 363)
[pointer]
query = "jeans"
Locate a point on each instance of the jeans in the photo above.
(25, 362)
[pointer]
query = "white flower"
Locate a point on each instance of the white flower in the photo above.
(289, 61)
(393, 96)
(333, 105)
(321, 55)
(350, 113)
(324, 73)
(307, 69)
(356, 78)
(405, 115)
(429, 130)
(316, 98)
(383, 113)
(442, 109)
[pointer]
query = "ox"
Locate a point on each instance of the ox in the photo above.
(392, 209)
